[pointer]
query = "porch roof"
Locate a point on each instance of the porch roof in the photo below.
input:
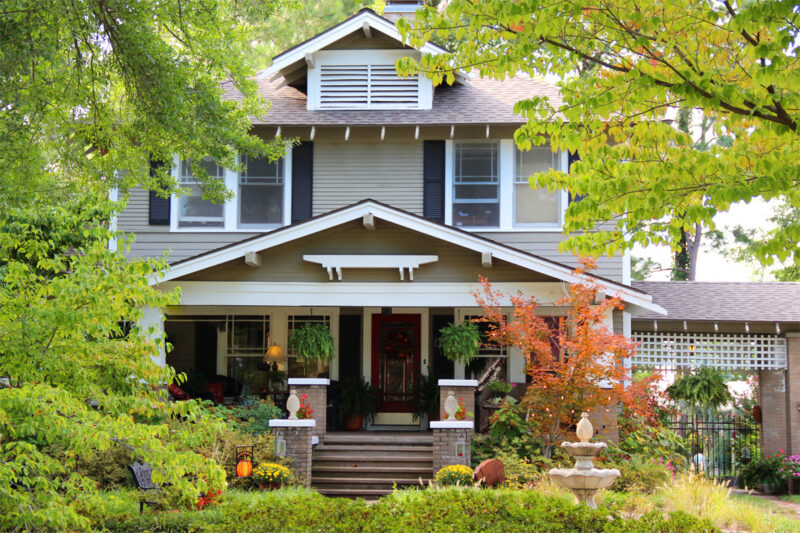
(638, 300)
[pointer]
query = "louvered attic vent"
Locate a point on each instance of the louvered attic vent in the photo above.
(366, 87)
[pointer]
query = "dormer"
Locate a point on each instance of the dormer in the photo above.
(351, 66)
(364, 79)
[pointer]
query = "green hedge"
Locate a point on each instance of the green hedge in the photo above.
(445, 510)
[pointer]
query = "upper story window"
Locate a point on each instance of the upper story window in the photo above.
(193, 210)
(260, 193)
(476, 185)
(364, 79)
(535, 207)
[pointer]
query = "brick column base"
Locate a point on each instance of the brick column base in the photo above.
(461, 388)
(316, 390)
(451, 443)
(293, 440)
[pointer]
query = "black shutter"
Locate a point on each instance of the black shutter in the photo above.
(302, 181)
(433, 180)
(159, 207)
(573, 157)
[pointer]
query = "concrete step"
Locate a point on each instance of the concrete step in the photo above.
(372, 452)
(365, 448)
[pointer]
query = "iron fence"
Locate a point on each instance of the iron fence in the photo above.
(719, 445)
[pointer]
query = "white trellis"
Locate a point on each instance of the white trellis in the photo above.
(722, 351)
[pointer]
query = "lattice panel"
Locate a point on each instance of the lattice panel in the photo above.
(723, 351)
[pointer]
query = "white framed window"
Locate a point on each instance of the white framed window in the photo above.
(476, 184)
(193, 210)
(535, 207)
(486, 187)
(260, 193)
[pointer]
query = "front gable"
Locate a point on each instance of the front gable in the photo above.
(279, 259)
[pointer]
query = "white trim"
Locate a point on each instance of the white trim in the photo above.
(308, 381)
(337, 262)
(458, 382)
(327, 38)
(113, 196)
(449, 169)
(286, 423)
(407, 220)
(452, 424)
(506, 175)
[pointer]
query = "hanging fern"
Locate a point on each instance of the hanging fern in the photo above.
(460, 343)
(703, 389)
(313, 342)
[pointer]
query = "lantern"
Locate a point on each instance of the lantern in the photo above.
(244, 461)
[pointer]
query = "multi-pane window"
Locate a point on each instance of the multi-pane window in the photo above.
(193, 210)
(476, 187)
(248, 339)
(298, 367)
(535, 207)
(260, 192)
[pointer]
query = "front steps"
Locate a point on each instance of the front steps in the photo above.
(369, 464)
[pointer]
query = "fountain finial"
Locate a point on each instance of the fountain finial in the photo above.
(584, 430)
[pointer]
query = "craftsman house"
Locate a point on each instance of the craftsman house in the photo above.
(376, 224)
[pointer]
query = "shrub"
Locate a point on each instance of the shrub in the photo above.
(271, 473)
(523, 472)
(640, 474)
(454, 475)
(767, 470)
(254, 416)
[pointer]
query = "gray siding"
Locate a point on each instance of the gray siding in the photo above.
(545, 244)
(152, 241)
(346, 172)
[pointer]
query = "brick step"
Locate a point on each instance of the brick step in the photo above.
(361, 461)
(342, 482)
(367, 494)
(373, 452)
(408, 471)
(365, 437)
(367, 448)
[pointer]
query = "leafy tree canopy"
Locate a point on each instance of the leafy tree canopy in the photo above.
(734, 61)
(90, 89)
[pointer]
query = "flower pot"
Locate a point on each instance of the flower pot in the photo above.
(270, 486)
(353, 422)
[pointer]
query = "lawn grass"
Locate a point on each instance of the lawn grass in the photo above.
(791, 498)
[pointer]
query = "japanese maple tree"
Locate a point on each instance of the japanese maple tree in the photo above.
(575, 363)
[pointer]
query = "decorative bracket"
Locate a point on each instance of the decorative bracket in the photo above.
(335, 263)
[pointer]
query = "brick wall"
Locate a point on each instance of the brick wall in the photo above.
(772, 392)
(298, 449)
(318, 399)
(606, 426)
(444, 447)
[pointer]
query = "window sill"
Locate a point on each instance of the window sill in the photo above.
(473, 229)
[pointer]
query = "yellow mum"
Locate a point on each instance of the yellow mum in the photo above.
(271, 473)
(454, 475)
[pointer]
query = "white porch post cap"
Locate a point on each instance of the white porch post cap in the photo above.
(286, 423)
(458, 382)
(309, 381)
(452, 424)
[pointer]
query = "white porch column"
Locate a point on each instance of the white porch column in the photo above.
(152, 323)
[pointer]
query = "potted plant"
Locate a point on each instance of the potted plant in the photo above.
(765, 473)
(313, 343)
(460, 342)
(270, 476)
(358, 402)
(426, 399)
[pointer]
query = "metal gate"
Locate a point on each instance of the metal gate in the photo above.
(719, 445)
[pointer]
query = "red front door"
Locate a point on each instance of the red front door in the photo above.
(395, 360)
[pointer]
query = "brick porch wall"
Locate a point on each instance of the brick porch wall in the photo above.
(773, 401)
(298, 444)
(317, 397)
(793, 393)
(445, 441)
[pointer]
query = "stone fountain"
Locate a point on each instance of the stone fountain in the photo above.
(584, 480)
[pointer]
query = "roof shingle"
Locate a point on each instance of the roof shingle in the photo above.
(724, 301)
(482, 101)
